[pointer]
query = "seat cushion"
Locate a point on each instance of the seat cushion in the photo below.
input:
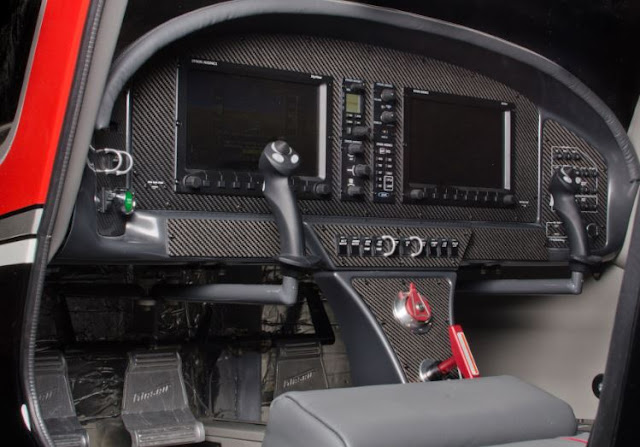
(455, 413)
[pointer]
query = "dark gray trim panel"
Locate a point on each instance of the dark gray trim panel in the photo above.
(371, 357)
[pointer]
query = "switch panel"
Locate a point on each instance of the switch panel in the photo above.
(392, 246)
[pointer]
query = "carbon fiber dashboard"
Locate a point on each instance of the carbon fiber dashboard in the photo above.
(524, 232)
(154, 123)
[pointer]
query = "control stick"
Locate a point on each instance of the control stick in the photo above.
(563, 188)
(277, 164)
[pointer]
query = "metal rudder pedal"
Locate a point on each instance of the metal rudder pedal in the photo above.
(56, 403)
(299, 367)
(155, 410)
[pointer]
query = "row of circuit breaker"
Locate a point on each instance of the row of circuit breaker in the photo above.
(387, 246)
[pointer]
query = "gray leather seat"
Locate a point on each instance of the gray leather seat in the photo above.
(481, 412)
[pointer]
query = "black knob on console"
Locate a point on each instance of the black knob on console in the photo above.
(362, 170)
(355, 149)
(360, 132)
(322, 189)
(387, 117)
(388, 95)
(354, 190)
(416, 194)
(193, 181)
(593, 230)
(355, 87)
(509, 200)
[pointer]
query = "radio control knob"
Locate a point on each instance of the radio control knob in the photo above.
(416, 194)
(355, 190)
(322, 189)
(193, 181)
(355, 87)
(593, 230)
(387, 117)
(362, 171)
(355, 149)
(388, 95)
(509, 200)
(360, 132)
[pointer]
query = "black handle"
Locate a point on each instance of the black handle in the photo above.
(277, 164)
(563, 188)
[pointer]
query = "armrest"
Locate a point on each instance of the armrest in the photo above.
(455, 413)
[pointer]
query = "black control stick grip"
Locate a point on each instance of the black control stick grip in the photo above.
(563, 188)
(277, 164)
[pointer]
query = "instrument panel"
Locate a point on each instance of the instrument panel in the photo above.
(394, 143)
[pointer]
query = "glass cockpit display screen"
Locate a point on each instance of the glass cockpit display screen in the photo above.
(457, 141)
(231, 115)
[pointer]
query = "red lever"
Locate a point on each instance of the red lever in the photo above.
(462, 353)
(417, 306)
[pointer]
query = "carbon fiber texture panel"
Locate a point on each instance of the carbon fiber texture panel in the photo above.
(558, 138)
(327, 234)
(227, 238)
(410, 349)
(507, 244)
(222, 238)
(154, 121)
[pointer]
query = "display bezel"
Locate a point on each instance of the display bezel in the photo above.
(508, 110)
(303, 184)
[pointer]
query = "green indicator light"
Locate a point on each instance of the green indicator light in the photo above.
(128, 202)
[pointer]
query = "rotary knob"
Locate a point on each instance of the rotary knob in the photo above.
(388, 95)
(193, 181)
(416, 194)
(322, 189)
(360, 132)
(387, 117)
(355, 191)
(363, 171)
(355, 149)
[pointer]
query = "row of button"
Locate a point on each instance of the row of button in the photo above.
(462, 196)
(388, 246)
(563, 154)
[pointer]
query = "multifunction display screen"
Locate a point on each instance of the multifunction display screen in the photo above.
(457, 141)
(231, 114)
